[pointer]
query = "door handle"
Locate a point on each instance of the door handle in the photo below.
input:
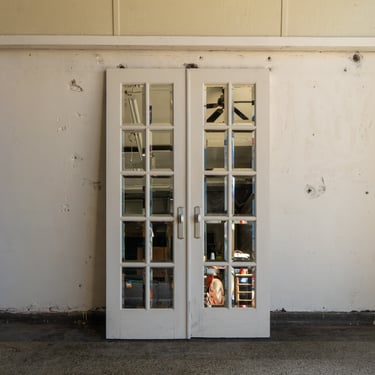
(197, 222)
(180, 223)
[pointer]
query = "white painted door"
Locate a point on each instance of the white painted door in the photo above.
(146, 190)
(228, 155)
(187, 203)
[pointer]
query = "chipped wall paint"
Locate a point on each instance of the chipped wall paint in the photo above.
(52, 162)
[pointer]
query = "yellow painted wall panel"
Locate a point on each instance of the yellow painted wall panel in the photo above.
(200, 17)
(56, 17)
(330, 18)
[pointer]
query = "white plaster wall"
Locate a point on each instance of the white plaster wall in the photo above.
(52, 165)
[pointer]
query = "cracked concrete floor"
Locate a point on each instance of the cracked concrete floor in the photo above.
(67, 348)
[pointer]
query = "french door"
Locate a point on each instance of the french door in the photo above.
(187, 164)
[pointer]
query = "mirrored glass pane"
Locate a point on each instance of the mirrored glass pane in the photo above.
(215, 286)
(162, 242)
(133, 288)
(133, 151)
(133, 195)
(216, 195)
(216, 108)
(215, 150)
(161, 149)
(133, 241)
(133, 104)
(244, 195)
(215, 241)
(161, 104)
(161, 288)
(243, 241)
(244, 287)
(243, 149)
(243, 105)
(161, 195)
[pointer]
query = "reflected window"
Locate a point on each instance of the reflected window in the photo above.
(161, 195)
(215, 241)
(243, 195)
(133, 104)
(161, 288)
(133, 288)
(161, 149)
(161, 104)
(215, 286)
(162, 241)
(133, 241)
(216, 195)
(244, 287)
(133, 150)
(243, 105)
(243, 144)
(215, 152)
(133, 190)
(216, 108)
(243, 241)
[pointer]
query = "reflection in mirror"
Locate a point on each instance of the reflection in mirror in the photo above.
(133, 150)
(162, 241)
(215, 286)
(161, 195)
(216, 111)
(161, 104)
(243, 287)
(133, 287)
(215, 150)
(243, 195)
(133, 241)
(161, 288)
(215, 194)
(243, 241)
(243, 105)
(215, 241)
(133, 195)
(161, 149)
(243, 144)
(133, 104)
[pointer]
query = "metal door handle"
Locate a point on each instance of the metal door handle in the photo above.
(180, 223)
(197, 222)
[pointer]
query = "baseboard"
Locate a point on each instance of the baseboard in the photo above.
(76, 317)
(323, 318)
(278, 318)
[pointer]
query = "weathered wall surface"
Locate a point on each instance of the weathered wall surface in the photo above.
(52, 164)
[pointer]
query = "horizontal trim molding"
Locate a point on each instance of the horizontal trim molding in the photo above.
(278, 318)
(187, 43)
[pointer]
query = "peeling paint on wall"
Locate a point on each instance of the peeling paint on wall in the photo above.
(65, 208)
(99, 59)
(80, 115)
(74, 86)
(96, 185)
(314, 192)
(61, 128)
(76, 158)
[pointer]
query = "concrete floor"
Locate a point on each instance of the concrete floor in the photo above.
(80, 348)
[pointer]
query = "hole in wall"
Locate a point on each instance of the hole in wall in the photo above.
(356, 58)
